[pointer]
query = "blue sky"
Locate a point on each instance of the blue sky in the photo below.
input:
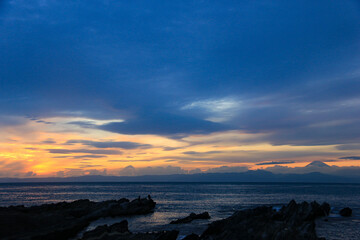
(287, 71)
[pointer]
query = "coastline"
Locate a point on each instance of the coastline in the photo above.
(294, 220)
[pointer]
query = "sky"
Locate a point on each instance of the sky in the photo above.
(164, 87)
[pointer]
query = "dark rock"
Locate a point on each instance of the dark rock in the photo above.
(192, 236)
(120, 227)
(326, 208)
(119, 231)
(65, 219)
(191, 217)
(99, 231)
(346, 212)
(294, 221)
(168, 235)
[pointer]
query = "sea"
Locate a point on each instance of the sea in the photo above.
(177, 200)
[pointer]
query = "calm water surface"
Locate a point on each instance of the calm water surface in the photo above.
(176, 200)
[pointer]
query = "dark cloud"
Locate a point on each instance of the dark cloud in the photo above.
(49, 141)
(330, 160)
(320, 135)
(164, 124)
(171, 148)
(71, 151)
(348, 147)
(111, 144)
(88, 156)
(41, 121)
(201, 153)
(351, 158)
(275, 162)
(89, 165)
(129, 160)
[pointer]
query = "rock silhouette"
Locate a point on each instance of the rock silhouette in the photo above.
(191, 217)
(98, 232)
(294, 221)
(346, 212)
(120, 231)
(65, 219)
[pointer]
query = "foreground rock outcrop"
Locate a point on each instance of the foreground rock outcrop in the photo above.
(191, 217)
(65, 219)
(120, 231)
(101, 231)
(294, 221)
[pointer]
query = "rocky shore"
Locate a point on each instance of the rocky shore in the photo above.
(120, 231)
(294, 221)
(65, 220)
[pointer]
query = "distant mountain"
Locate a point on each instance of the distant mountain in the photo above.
(249, 176)
(318, 164)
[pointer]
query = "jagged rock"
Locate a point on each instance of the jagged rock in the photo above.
(346, 212)
(294, 221)
(121, 227)
(191, 217)
(120, 231)
(65, 219)
(192, 236)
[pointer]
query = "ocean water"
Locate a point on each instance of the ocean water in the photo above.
(176, 200)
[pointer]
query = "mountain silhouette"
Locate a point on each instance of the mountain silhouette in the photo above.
(317, 164)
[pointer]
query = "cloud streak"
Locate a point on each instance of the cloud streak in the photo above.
(275, 163)
(111, 144)
(351, 158)
(71, 151)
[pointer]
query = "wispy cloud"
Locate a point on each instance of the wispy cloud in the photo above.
(201, 153)
(275, 163)
(110, 144)
(71, 151)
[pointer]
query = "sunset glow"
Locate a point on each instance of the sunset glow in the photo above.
(53, 147)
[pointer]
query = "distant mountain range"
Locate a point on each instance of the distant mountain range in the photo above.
(248, 176)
